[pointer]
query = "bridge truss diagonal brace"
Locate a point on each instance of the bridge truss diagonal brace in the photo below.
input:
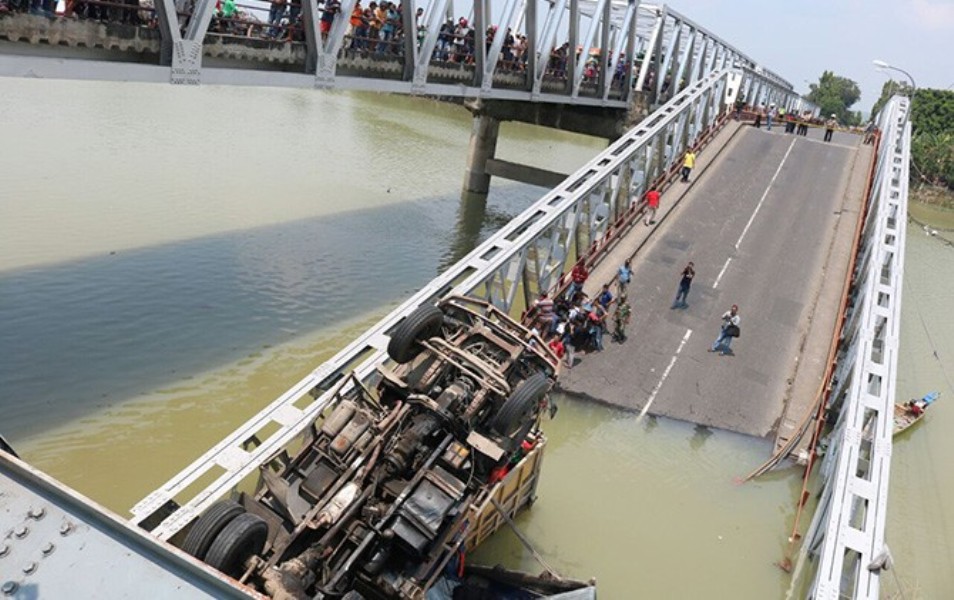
(183, 52)
(529, 254)
(327, 50)
(545, 41)
(434, 19)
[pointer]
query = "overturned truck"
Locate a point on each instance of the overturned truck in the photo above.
(379, 498)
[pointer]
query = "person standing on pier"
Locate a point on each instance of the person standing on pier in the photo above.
(730, 329)
(688, 163)
(684, 284)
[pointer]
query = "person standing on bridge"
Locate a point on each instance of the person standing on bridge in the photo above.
(578, 277)
(276, 12)
(730, 329)
(688, 163)
(684, 284)
(621, 319)
(624, 276)
(830, 125)
(652, 197)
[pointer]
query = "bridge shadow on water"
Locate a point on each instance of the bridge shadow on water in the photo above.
(81, 336)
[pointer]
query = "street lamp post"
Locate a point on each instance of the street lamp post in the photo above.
(914, 86)
(883, 65)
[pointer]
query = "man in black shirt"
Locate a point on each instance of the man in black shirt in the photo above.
(684, 284)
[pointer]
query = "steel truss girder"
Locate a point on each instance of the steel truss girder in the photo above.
(529, 253)
(673, 46)
(847, 532)
(680, 51)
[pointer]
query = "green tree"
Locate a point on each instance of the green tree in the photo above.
(890, 88)
(932, 155)
(932, 127)
(835, 95)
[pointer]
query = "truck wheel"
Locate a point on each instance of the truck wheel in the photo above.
(423, 323)
(209, 525)
(520, 405)
(242, 538)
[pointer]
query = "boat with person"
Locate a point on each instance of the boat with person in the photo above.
(908, 413)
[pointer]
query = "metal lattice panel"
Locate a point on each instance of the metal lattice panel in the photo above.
(847, 532)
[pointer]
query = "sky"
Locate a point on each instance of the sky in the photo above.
(800, 39)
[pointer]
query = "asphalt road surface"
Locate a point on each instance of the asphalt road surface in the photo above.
(758, 225)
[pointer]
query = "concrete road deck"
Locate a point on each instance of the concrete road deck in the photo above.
(768, 221)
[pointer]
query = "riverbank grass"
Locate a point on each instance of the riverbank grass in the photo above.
(932, 205)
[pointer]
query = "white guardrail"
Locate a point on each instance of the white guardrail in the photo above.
(845, 542)
(527, 255)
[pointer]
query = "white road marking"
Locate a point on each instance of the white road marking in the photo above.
(665, 374)
(722, 272)
(765, 195)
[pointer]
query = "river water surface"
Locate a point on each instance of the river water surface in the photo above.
(171, 260)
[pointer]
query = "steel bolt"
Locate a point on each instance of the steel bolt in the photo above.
(21, 531)
(48, 549)
(66, 528)
(9, 587)
(37, 513)
(29, 568)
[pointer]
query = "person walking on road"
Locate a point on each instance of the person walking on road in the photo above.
(684, 284)
(652, 203)
(769, 116)
(830, 125)
(688, 163)
(730, 329)
(623, 277)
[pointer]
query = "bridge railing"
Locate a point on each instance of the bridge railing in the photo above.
(603, 53)
(527, 255)
(845, 541)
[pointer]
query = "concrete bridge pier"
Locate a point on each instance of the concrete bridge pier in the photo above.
(483, 146)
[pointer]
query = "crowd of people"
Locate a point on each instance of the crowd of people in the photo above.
(376, 28)
(573, 322)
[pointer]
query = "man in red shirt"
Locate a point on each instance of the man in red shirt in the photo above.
(652, 204)
(579, 275)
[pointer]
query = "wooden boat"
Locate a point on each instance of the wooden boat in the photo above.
(904, 417)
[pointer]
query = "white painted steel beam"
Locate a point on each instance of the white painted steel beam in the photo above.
(530, 253)
(848, 530)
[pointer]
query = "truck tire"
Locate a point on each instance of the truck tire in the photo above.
(520, 405)
(423, 323)
(209, 524)
(242, 538)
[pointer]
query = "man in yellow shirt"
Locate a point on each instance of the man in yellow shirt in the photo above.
(687, 164)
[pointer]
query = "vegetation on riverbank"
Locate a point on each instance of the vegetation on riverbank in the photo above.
(932, 137)
(932, 205)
